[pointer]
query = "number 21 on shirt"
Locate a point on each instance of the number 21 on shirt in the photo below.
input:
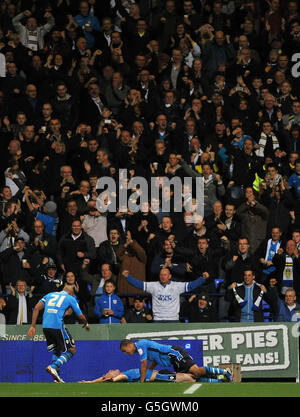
(56, 300)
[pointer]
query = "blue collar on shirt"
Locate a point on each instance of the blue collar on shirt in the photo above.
(164, 285)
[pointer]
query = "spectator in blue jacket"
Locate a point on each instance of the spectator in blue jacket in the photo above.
(89, 24)
(109, 307)
(294, 180)
(288, 309)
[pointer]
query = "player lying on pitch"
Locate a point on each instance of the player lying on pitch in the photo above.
(134, 375)
(170, 356)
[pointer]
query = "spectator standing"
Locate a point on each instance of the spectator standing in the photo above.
(19, 304)
(109, 307)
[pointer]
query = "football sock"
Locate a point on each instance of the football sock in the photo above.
(214, 371)
(213, 380)
(169, 377)
(64, 358)
(54, 359)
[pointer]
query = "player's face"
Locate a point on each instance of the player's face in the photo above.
(112, 373)
(129, 349)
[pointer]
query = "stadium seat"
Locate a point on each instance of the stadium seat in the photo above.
(267, 311)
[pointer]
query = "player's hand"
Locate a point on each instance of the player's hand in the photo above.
(31, 332)
(125, 273)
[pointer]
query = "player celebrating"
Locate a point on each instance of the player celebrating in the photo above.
(134, 375)
(59, 340)
(167, 356)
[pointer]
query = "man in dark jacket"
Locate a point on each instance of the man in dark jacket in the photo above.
(235, 262)
(13, 263)
(267, 250)
(246, 165)
(138, 313)
(287, 264)
(46, 280)
(227, 224)
(19, 305)
(246, 298)
(41, 245)
(74, 247)
(288, 309)
(199, 309)
(106, 252)
(169, 258)
(65, 106)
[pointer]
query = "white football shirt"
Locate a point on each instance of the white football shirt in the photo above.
(166, 299)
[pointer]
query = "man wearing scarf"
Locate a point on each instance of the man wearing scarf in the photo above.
(246, 298)
(287, 264)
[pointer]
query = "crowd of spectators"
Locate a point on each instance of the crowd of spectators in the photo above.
(162, 89)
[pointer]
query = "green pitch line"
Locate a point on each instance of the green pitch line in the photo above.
(247, 389)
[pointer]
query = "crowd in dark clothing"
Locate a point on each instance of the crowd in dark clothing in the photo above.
(163, 89)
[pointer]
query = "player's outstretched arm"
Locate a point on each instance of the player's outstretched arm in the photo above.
(38, 307)
(94, 381)
(113, 375)
(84, 322)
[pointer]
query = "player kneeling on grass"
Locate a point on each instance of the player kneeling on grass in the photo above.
(170, 356)
(134, 375)
(59, 340)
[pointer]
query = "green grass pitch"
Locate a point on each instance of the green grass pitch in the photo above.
(246, 389)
